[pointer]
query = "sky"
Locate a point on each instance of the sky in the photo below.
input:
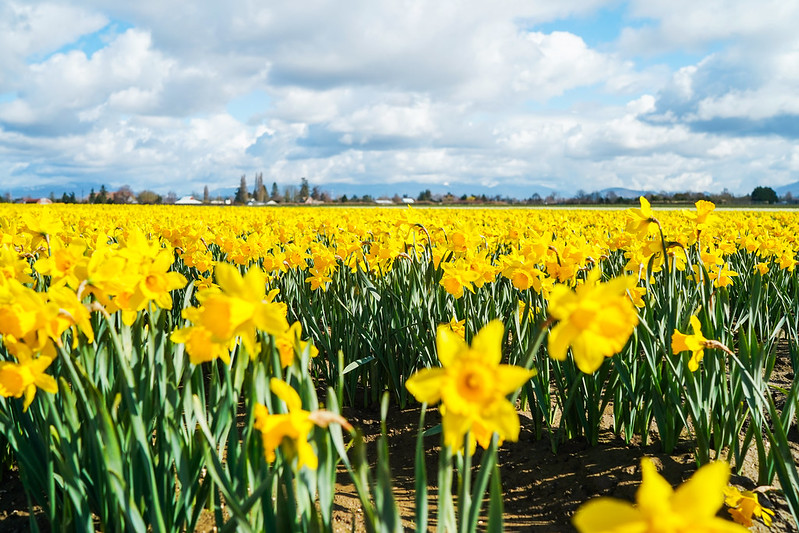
(660, 95)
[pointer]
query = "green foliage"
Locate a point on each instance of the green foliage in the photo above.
(764, 195)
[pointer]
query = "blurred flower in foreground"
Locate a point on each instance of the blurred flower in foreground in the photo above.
(689, 509)
(743, 505)
(595, 320)
(472, 386)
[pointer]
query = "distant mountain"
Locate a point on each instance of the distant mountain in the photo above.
(792, 188)
(621, 192)
(80, 189)
(413, 188)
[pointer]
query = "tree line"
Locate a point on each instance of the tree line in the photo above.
(304, 192)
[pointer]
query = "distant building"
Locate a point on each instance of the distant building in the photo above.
(408, 201)
(383, 201)
(188, 200)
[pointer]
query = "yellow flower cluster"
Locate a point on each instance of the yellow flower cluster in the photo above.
(59, 263)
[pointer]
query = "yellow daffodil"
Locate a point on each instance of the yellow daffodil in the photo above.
(289, 431)
(695, 343)
(761, 268)
(25, 377)
(595, 320)
(472, 386)
(722, 275)
(457, 277)
(12, 266)
(691, 508)
(457, 326)
(318, 279)
(743, 505)
(641, 222)
(703, 213)
(237, 309)
(290, 343)
(61, 263)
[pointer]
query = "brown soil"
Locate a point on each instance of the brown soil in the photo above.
(542, 489)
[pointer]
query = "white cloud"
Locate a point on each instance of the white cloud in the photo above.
(689, 25)
(29, 30)
(442, 92)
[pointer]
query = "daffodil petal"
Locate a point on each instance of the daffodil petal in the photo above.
(608, 515)
(488, 342)
(511, 377)
(448, 345)
(702, 495)
(285, 392)
(426, 384)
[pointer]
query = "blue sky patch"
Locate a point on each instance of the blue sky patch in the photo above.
(91, 42)
(245, 107)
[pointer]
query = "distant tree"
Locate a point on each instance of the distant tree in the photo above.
(259, 191)
(304, 190)
(316, 193)
(425, 196)
(206, 195)
(123, 195)
(72, 198)
(241, 192)
(788, 197)
(275, 194)
(343, 199)
(102, 196)
(170, 198)
(148, 197)
(764, 195)
(290, 193)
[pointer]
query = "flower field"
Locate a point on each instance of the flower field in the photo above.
(163, 364)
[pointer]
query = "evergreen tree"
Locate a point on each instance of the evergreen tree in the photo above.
(102, 196)
(304, 190)
(206, 195)
(275, 192)
(241, 192)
